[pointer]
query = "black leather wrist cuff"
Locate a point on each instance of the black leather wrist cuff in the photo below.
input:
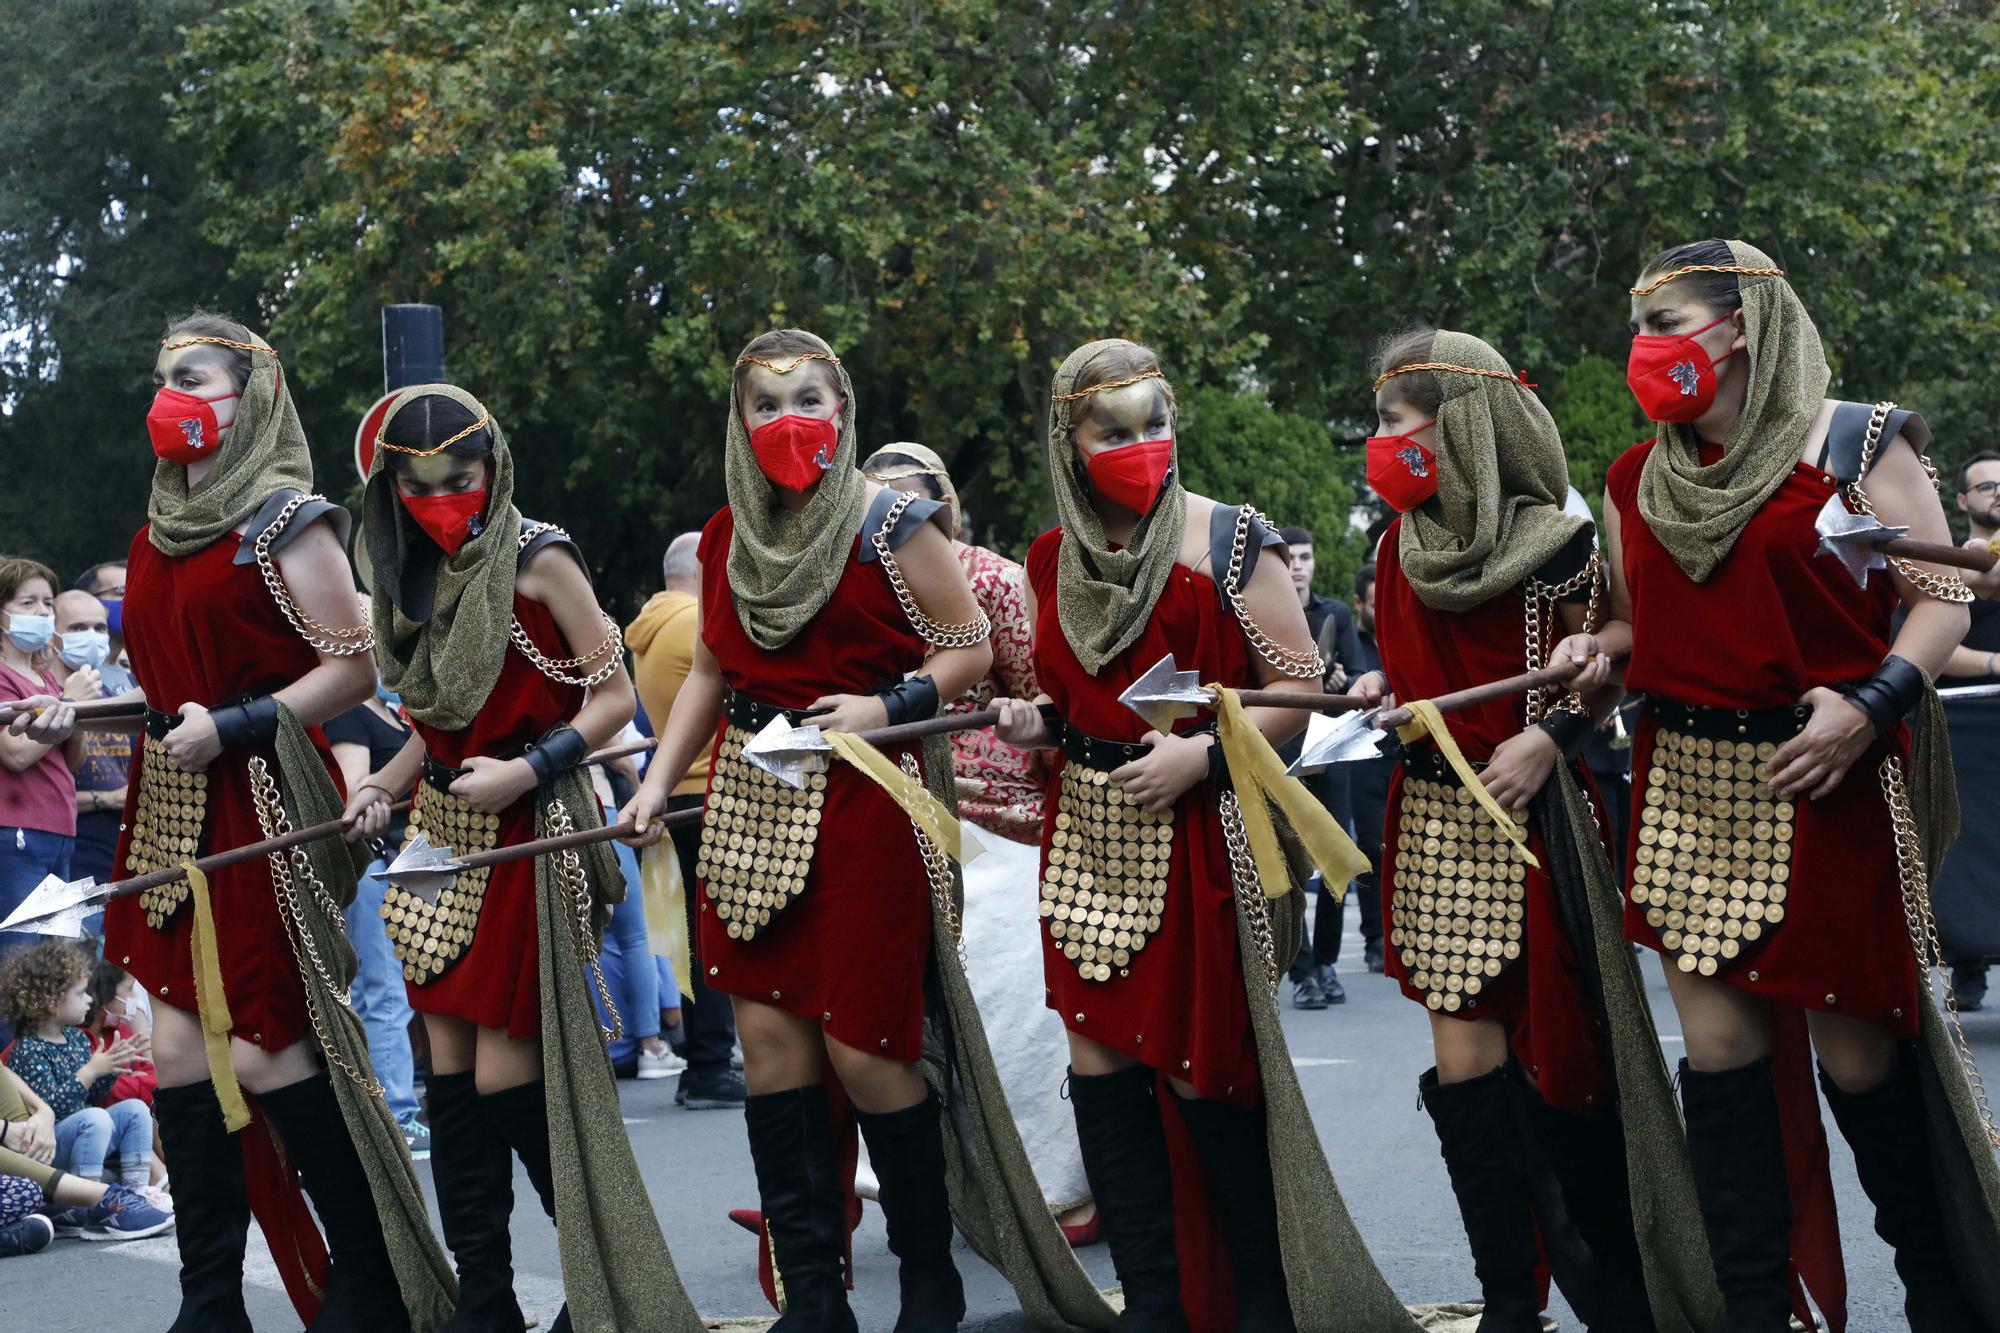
(1570, 731)
(561, 747)
(246, 723)
(912, 700)
(1888, 696)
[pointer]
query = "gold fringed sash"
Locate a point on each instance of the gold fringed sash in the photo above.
(1425, 720)
(1259, 778)
(925, 810)
(212, 1006)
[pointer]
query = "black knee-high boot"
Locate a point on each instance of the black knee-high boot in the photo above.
(805, 1209)
(1889, 1133)
(521, 1115)
(1236, 1163)
(907, 1150)
(212, 1216)
(1125, 1160)
(363, 1294)
(1587, 1155)
(474, 1174)
(1737, 1149)
(1480, 1139)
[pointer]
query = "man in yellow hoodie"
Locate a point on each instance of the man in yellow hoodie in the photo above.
(662, 640)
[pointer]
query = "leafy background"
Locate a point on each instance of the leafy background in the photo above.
(608, 199)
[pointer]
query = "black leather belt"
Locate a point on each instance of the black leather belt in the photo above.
(158, 724)
(753, 714)
(1103, 755)
(442, 776)
(1428, 763)
(1729, 724)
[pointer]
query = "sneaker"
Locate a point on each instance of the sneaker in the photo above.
(1329, 986)
(711, 1092)
(122, 1215)
(158, 1195)
(1371, 954)
(417, 1135)
(1306, 993)
(29, 1235)
(69, 1221)
(664, 1065)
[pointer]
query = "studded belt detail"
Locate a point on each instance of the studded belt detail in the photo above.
(430, 937)
(166, 825)
(1458, 894)
(1104, 887)
(757, 837)
(1713, 865)
(753, 714)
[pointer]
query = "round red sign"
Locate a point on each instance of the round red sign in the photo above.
(371, 426)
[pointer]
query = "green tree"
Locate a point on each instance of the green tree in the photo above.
(1598, 419)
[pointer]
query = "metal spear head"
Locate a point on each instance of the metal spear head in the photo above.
(1163, 695)
(1854, 539)
(789, 753)
(56, 907)
(1337, 740)
(422, 870)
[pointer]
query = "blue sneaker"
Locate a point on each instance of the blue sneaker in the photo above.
(69, 1221)
(417, 1137)
(123, 1214)
(28, 1235)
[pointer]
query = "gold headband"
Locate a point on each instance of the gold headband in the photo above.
(1747, 271)
(789, 366)
(1519, 377)
(480, 424)
(166, 346)
(1110, 384)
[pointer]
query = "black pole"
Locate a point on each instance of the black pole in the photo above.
(412, 346)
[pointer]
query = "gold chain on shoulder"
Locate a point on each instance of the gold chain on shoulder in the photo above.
(576, 887)
(557, 669)
(937, 866)
(1539, 603)
(332, 640)
(1923, 928)
(1299, 665)
(285, 876)
(935, 633)
(1249, 891)
(1944, 587)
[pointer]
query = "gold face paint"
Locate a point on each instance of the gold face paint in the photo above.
(440, 474)
(808, 390)
(201, 369)
(1122, 416)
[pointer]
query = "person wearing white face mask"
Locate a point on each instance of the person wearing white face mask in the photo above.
(84, 668)
(37, 782)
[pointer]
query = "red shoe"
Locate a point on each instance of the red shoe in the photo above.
(752, 1221)
(1084, 1233)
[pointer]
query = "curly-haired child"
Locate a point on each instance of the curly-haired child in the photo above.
(45, 994)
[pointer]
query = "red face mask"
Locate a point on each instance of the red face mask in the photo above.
(1401, 471)
(449, 520)
(795, 452)
(183, 427)
(1672, 376)
(1132, 475)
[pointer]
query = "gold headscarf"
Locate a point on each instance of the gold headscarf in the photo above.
(1502, 480)
(1698, 512)
(926, 464)
(1104, 597)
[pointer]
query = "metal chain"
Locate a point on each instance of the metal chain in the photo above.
(557, 669)
(938, 867)
(332, 640)
(1306, 664)
(576, 886)
(935, 633)
(1249, 889)
(1539, 603)
(1923, 928)
(1944, 587)
(275, 823)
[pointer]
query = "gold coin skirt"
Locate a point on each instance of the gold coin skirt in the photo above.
(1104, 881)
(1457, 895)
(1802, 905)
(428, 938)
(757, 838)
(166, 827)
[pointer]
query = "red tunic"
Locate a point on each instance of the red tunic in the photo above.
(1180, 1007)
(203, 629)
(849, 952)
(1771, 622)
(1551, 1024)
(497, 982)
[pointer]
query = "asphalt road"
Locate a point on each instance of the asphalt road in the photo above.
(1358, 1064)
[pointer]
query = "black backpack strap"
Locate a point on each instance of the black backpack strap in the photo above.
(915, 514)
(1222, 523)
(311, 508)
(1847, 435)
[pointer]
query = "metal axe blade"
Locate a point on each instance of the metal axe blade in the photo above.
(55, 907)
(789, 753)
(1854, 539)
(421, 869)
(1341, 740)
(1164, 695)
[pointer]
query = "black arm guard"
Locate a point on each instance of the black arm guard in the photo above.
(561, 747)
(1570, 732)
(912, 700)
(1888, 696)
(246, 723)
